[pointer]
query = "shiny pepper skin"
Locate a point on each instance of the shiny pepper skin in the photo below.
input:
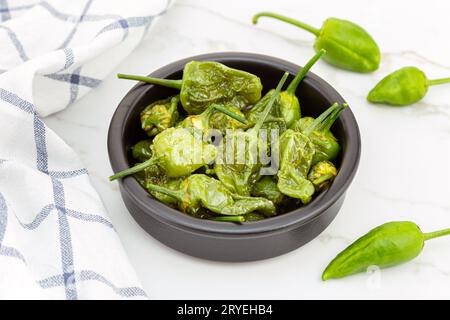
(200, 191)
(177, 152)
(142, 150)
(160, 115)
(287, 107)
(387, 245)
(348, 45)
(207, 82)
(403, 87)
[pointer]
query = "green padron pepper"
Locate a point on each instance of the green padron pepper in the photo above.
(210, 82)
(296, 154)
(321, 174)
(206, 121)
(200, 191)
(252, 216)
(223, 121)
(267, 187)
(348, 45)
(318, 131)
(177, 152)
(403, 87)
(288, 106)
(154, 174)
(142, 150)
(160, 115)
(237, 165)
(387, 245)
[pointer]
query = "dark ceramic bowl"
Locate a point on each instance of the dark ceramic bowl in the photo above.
(227, 241)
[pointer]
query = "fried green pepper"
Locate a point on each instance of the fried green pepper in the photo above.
(321, 174)
(142, 150)
(348, 45)
(288, 106)
(205, 121)
(160, 115)
(387, 245)
(266, 187)
(210, 82)
(296, 155)
(237, 165)
(200, 191)
(177, 152)
(318, 131)
(403, 87)
(224, 121)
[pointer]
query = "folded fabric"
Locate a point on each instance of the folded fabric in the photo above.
(56, 240)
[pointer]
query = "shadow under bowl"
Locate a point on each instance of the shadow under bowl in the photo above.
(222, 241)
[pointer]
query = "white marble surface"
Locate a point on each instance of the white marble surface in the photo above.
(403, 174)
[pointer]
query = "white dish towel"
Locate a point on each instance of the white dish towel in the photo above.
(56, 241)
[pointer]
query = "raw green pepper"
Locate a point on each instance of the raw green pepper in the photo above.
(321, 174)
(237, 165)
(204, 121)
(160, 115)
(142, 150)
(288, 106)
(318, 131)
(348, 45)
(403, 87)
(210, 82)
(177, 152)
(267, 187)
(387, 245)
(296, 154)
(200, 191)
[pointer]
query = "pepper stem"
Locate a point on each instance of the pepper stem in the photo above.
(229, 218)
(438, 81)
(436, 234)
(168, 192)
(324, 122)
(175, 84)
(134, 169)
(301, 74)
(229, 113)
(294, 22)
(270, 104)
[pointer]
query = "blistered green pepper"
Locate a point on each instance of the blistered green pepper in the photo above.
(267, 187)
(296, 154)
(142, 150)
(321, 174)
(177, 152)
(223, 121)
(288, 106)
(205, 121)
(200, 191)
(237, 165)
(318, 131)
(160, 115)
(348, 45)
(209, 82)
(387, 245)
(403, 87)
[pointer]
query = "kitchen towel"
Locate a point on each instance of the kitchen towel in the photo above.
(56, 241)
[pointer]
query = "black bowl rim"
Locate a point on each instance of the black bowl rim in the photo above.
(289, 220)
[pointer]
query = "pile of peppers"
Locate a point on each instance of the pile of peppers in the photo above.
(183, 166)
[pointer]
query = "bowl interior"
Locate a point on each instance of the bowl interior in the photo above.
(314, 94)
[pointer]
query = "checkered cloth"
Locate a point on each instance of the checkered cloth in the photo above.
(55, 239)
